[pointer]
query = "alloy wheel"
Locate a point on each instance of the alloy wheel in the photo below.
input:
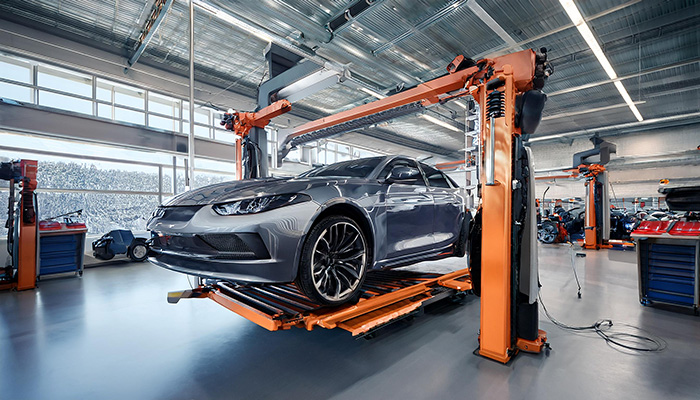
(338, 261)
(548, 233)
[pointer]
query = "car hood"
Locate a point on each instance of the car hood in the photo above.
(234, 190)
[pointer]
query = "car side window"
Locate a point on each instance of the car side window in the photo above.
(435, 177)
(419, 181)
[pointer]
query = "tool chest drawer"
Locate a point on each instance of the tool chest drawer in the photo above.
(668, 271)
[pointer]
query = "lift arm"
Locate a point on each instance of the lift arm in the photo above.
(463, 76)
(242, 122)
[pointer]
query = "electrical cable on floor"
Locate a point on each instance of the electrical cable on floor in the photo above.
(603, 328)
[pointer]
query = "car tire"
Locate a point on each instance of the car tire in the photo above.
(138, 251)
(334, 261)
(463, 239)
(548, 232)
(475, 233)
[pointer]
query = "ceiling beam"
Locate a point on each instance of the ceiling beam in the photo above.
(647, 124)
(160, 9)
(441, 14)
(561, 28)
(493, 25)
(621, 78)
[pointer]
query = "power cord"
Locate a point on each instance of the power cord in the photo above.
(604, 329)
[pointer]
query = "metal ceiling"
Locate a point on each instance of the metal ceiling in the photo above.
(653, 45)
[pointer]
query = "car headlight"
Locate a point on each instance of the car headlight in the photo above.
(259, 204)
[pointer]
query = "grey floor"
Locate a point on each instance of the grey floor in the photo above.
(111, 334)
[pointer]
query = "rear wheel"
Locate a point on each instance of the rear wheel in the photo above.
(334, 261)
(138, 251)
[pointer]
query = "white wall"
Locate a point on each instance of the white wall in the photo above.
(642, 159)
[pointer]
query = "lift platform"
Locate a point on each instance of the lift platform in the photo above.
(385, 297)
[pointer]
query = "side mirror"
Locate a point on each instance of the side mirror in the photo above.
(400, 174)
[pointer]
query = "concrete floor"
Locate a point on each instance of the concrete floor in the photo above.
(111, 335)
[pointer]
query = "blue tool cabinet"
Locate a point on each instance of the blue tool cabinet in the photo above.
(61, 252)
(668, 271)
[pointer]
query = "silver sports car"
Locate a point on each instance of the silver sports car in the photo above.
(323, 229)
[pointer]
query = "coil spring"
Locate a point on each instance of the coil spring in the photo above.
(495, 107)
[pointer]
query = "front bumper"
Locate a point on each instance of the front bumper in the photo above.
(262, 247)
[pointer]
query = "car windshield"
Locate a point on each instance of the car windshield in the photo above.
(360, 168)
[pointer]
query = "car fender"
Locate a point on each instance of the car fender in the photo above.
(323, 207)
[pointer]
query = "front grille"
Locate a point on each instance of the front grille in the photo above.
(237, 246)
(226, 242)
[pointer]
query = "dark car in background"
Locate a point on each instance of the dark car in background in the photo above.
(323, 229)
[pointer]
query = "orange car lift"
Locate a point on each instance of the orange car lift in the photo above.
(596, 181)
(242, 122)
(391, 295)
(22, 172)
(591, 238)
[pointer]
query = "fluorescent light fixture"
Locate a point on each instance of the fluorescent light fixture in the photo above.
(628, 100)
(585, 31)
(588, 111)
(226, 17)
(309, 85)
(460, 104)
(372, 93)
(440, 122)
(547, 137)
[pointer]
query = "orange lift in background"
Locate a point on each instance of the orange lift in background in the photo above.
(503, 259)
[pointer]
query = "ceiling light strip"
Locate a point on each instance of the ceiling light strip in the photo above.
(585, 31)
(588, 111)
(441, 123)
(372, 93)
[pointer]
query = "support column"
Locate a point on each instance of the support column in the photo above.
(189, 177)
(284, 68)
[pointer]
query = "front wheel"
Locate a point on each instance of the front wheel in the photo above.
(333, 261)
(548, 232)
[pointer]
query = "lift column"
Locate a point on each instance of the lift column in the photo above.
(495, 338)
(508, 272)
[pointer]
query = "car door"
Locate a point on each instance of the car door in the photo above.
(448, 206)
(409, 213)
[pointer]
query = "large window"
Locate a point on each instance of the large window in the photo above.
(15, 73)
(74, 91)
(115, 187)
(63, 80)
(36, 82)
